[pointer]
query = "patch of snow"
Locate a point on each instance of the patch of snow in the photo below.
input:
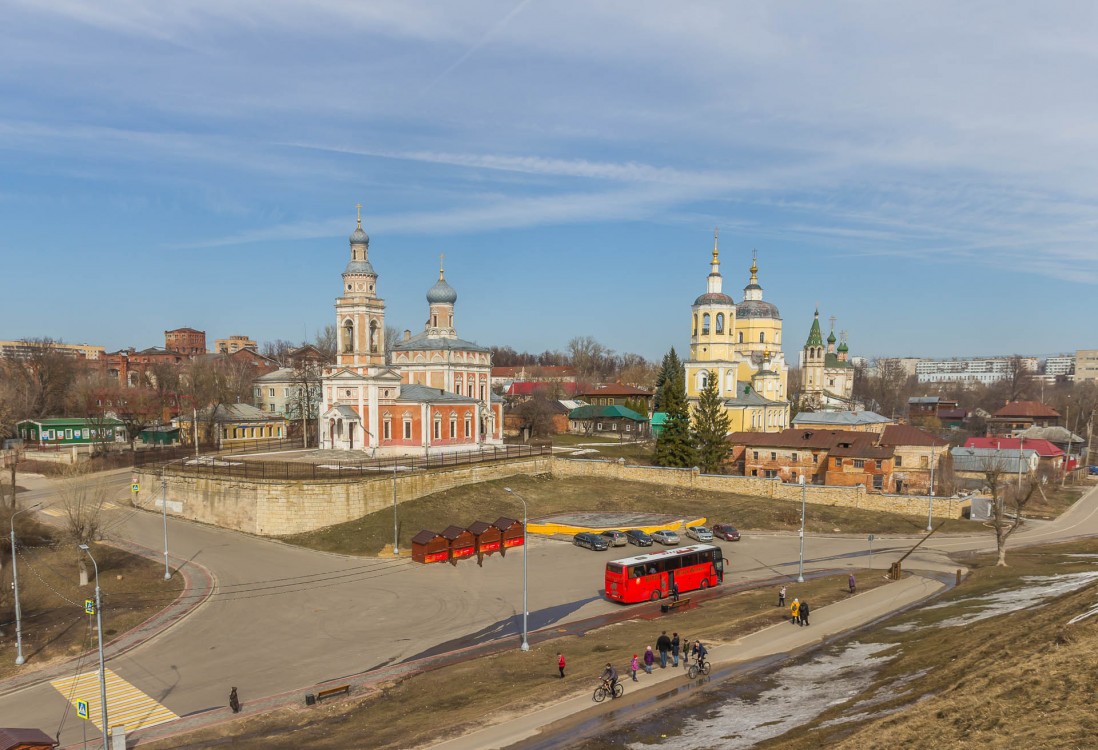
(1004, 602)
(803, 691)
(902, 627)
(210, 461)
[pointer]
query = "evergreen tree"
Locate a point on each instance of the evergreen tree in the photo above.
(675, 445)
(711, 423)
(669, 367)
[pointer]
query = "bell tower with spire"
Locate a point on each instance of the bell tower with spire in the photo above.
(360, 313)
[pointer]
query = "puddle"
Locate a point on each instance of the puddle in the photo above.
(801, 692)
(1004, 602)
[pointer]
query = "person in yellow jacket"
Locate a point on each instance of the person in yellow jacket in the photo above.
(795, 610)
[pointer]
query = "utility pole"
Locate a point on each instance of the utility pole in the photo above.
(164, 510)
(19, 660)
(804, 490)
(930, 505)
(102, 662)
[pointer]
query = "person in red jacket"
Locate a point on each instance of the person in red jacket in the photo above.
(560, 664)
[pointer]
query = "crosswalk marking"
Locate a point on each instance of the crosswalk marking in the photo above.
(55, 512)
(125, 703)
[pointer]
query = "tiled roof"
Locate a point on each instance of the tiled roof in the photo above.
(1026, 409)
(1044, 448)
(902, 434)
(799, 438)
(605, 412)
(524, 388)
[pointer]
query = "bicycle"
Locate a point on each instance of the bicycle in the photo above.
(603, 691)
(700, 667)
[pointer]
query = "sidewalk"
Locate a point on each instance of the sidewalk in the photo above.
(777, 639)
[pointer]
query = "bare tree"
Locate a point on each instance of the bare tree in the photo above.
(1010, 493)
(1019, 380)
(591, 360)
(95, 397)
(137, 408)
(327, 341)
(304, 401)
(278, 350)
(82, 498)
(40, 377)
(537, 413)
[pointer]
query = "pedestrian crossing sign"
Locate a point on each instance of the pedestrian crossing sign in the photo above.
(89, 606)
(82, 709)
(135, 487)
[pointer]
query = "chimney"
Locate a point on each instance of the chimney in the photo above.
(407, 334)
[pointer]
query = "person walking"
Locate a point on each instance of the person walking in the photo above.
(675, 649)
(795, 610)
(804, 613)
(781, 596)
(850, 582)
(560, 664)
(663, 645)
(633, 667)
(685, 653)
(234, 701)
(649, 659)
(674, 591)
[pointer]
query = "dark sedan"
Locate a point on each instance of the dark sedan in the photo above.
(726, 532)
(591, 541)
(638, 537)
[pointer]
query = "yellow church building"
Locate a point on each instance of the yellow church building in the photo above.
(740, 344)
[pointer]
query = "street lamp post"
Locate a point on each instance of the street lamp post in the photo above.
(19, 660)
(164, 509)
(930, 504)
(102, 662)
(396, 539)
(525, 540)
(804, 490)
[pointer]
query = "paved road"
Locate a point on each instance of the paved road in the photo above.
(284, 618)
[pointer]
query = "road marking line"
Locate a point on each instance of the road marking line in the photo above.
(126, 704)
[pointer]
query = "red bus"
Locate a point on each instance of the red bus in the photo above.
(649, 577)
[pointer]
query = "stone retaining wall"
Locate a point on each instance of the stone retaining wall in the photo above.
(848, 497)
(275, 508)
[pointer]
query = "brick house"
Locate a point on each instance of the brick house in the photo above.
(1016, 416)
(186, 341)
(914, 453)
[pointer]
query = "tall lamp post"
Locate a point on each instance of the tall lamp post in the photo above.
(930, 504)
(164, 510)
(396, 539)
(525, 540)
(804, 490)
(102, 663)
(19, 660)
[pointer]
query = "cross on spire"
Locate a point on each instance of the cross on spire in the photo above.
(832, 319)
(441, 265)
(358, 211)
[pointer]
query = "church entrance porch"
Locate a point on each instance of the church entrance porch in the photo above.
(341, 429)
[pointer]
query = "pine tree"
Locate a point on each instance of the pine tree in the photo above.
(711, 423)
(668, 368)
(675, 445)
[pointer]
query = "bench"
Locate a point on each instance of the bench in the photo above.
(311, 699)
(674, 604)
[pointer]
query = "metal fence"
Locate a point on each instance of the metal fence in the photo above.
(232, 465)
(155, 455)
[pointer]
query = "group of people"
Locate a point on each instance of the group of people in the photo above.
(673, 646)
(798, 610)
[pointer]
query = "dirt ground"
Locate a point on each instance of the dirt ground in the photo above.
(544, 495)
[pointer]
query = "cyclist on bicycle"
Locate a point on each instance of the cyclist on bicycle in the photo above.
(700, 652)
(610, 679)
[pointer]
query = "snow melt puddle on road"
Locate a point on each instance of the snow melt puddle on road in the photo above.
(1003, 602)
(803, 692)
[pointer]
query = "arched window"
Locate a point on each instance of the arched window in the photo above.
(705, 324)
(695, 324)
(374, 336)
(762, 337)
(741, 337)
(348, 336)
(720, 322)
(703, 380)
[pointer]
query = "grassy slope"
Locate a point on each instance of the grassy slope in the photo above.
(487, 501)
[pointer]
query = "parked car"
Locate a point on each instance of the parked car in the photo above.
(726, 532)
(615, 537)
(1092, 469)
(699, 533)
(593, 542)
(665, 536)
(638, 537)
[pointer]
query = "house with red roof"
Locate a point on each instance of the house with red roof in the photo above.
(1016, 416)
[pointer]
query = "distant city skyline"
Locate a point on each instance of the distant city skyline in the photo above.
(919, 171)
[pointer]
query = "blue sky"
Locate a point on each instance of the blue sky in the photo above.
(924, 171)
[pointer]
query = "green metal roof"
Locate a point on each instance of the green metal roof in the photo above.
(658, 418)
(815, 338)
(608, 412)
(62, 422)
(832, 360)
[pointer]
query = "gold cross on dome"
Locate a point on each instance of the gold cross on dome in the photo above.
(358, 211)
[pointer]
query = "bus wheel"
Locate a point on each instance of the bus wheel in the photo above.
(655, 596)
(704, 585)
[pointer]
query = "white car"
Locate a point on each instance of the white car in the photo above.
(665, 536)
(699, 533)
